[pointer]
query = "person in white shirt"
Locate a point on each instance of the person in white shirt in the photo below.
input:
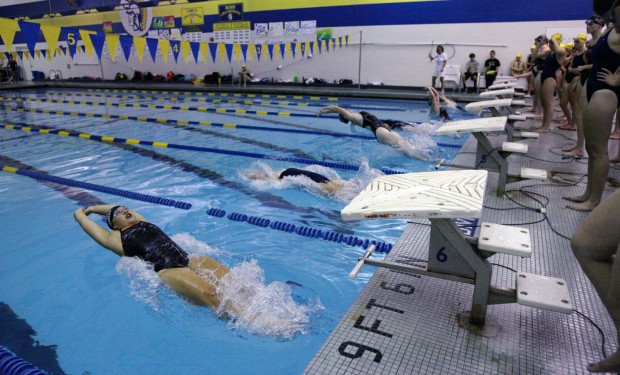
(441, 59)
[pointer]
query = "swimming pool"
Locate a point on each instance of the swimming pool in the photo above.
(99, 314)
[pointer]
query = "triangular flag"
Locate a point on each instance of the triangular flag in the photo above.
(37, 53)
(44, 53)
(282, 47)
(222, 48)
(315, 47)
(251, 52)
(204, 50)
(20, 54)
(112, 42)
(229, 50)
(51, 34)
(346, 40)
(27, 54)
(294, 49)
(126, 42)
(50, 54)
(195, 46)
(237, 52)
(88, 45)
(244, 51)
(270, 49)
(71, 35)
(8, 28)
(139, 42)
(176, 49)
(30, 33)
(152, 43)
(97, 40)
(164, 45)
(259, 52)
(213, 50)
(185, 50)
(309, 48)
(321, 46)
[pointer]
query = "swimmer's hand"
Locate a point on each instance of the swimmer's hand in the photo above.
(328, 109)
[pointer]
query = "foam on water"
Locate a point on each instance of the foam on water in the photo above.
(260, 308)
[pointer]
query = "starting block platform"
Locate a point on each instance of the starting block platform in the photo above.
(439, 197)
(487, 156)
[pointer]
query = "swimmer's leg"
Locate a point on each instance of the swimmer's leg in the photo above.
(194, 288)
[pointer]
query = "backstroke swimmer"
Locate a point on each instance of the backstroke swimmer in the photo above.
(382, 130)
(194, 277)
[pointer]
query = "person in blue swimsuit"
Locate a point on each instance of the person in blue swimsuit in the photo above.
(602, 101)
(548, 80)
(382, 131)
(131, 235)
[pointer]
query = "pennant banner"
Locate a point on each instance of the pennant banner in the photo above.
(71, 35)
(176, 49)
(152, 44)
(126, 43)
(98, 41)
(30, 33)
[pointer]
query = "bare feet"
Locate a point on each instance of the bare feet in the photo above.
(609, 364)
(575, 152)
(584, 206)
(566, 126)
(541, 130)
(576, 198)
(569, 148)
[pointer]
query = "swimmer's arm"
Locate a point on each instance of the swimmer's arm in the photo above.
(612, 79)
(101, 209)
(111, 240)
(354, 117)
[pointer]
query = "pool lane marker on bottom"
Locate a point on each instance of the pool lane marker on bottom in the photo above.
(109, 139)
(100, 188)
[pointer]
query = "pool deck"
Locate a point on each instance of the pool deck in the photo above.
(415, 329)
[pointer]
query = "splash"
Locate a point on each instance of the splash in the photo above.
(259, 308)
(267, 309)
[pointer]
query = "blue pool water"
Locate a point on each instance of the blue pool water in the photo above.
(99, 314)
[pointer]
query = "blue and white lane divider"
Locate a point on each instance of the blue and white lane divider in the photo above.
(301, 230)
(11, 364)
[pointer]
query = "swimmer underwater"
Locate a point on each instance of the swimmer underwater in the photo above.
(131, 235)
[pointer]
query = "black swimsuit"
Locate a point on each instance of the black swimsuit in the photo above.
(397, 124)
(147, 242)
(577, 62)
(372, 122)
(292, 172)
(550, 67)
(602, 57)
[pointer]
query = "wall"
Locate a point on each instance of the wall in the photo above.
(396, 38)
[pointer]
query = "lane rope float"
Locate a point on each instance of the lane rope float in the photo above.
(207, 123)
(109, 139)
(301, 230)
(11, 364)
(100, 188)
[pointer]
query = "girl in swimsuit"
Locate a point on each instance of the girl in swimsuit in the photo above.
(327, 185)
(573, 77)
(132, 235)
(381, 130)
(602, 100)
(548, 80)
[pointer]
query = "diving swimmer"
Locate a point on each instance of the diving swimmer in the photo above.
(328, 185)
(195, 278)
(382, 131)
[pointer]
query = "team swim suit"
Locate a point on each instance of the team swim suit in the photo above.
(550, 67)
(577, 62)
(147, 242)
(397, 124)
(602, 57)
(372, 122)
(292, 172)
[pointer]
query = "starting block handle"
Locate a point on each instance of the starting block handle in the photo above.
(360, 262)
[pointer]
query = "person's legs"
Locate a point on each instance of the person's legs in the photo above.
(433, 81)
(596, 245)
(564, 102)
(489, 79)
(578, 101)
(442, 83)
(616, 132)
(597, 122)
(548, 87)
(190, 285)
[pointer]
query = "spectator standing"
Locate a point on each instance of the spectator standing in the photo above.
(441, 59)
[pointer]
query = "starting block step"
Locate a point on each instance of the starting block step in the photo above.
(532, 135)
(543, 292)
(517, 118)
(533, 174)
(514, 147)
(496, 93)
(505, 239)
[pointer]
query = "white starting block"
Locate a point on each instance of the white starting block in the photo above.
(511, 130)
(502, 85)
(441, 196)
(505, 107)
(509, 92)
(496, 103)
(487, 156)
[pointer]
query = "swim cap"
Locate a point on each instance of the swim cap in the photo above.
(110, 216)
(243, 66)
(570, 45)
(595, 19)
(533, 47)
(520, 55)
(342, 119)
(581, 38)
(557, 37)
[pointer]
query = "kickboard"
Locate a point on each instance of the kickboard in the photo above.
(442, 194)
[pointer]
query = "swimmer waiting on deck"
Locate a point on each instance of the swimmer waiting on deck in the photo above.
(131, 235)
(327, 184)
(381, 129)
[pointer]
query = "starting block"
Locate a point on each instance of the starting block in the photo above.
(441, 196)
(489, 157)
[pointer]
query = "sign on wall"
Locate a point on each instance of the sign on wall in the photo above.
(192, 17)
(231, 12)
(135, 19)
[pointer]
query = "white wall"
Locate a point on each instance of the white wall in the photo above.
(393, 55)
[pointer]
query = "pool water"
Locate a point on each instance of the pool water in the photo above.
(101, 314)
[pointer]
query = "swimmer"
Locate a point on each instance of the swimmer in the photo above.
(435, 101)
(382, 131)
(194, 278)
(330, 186)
